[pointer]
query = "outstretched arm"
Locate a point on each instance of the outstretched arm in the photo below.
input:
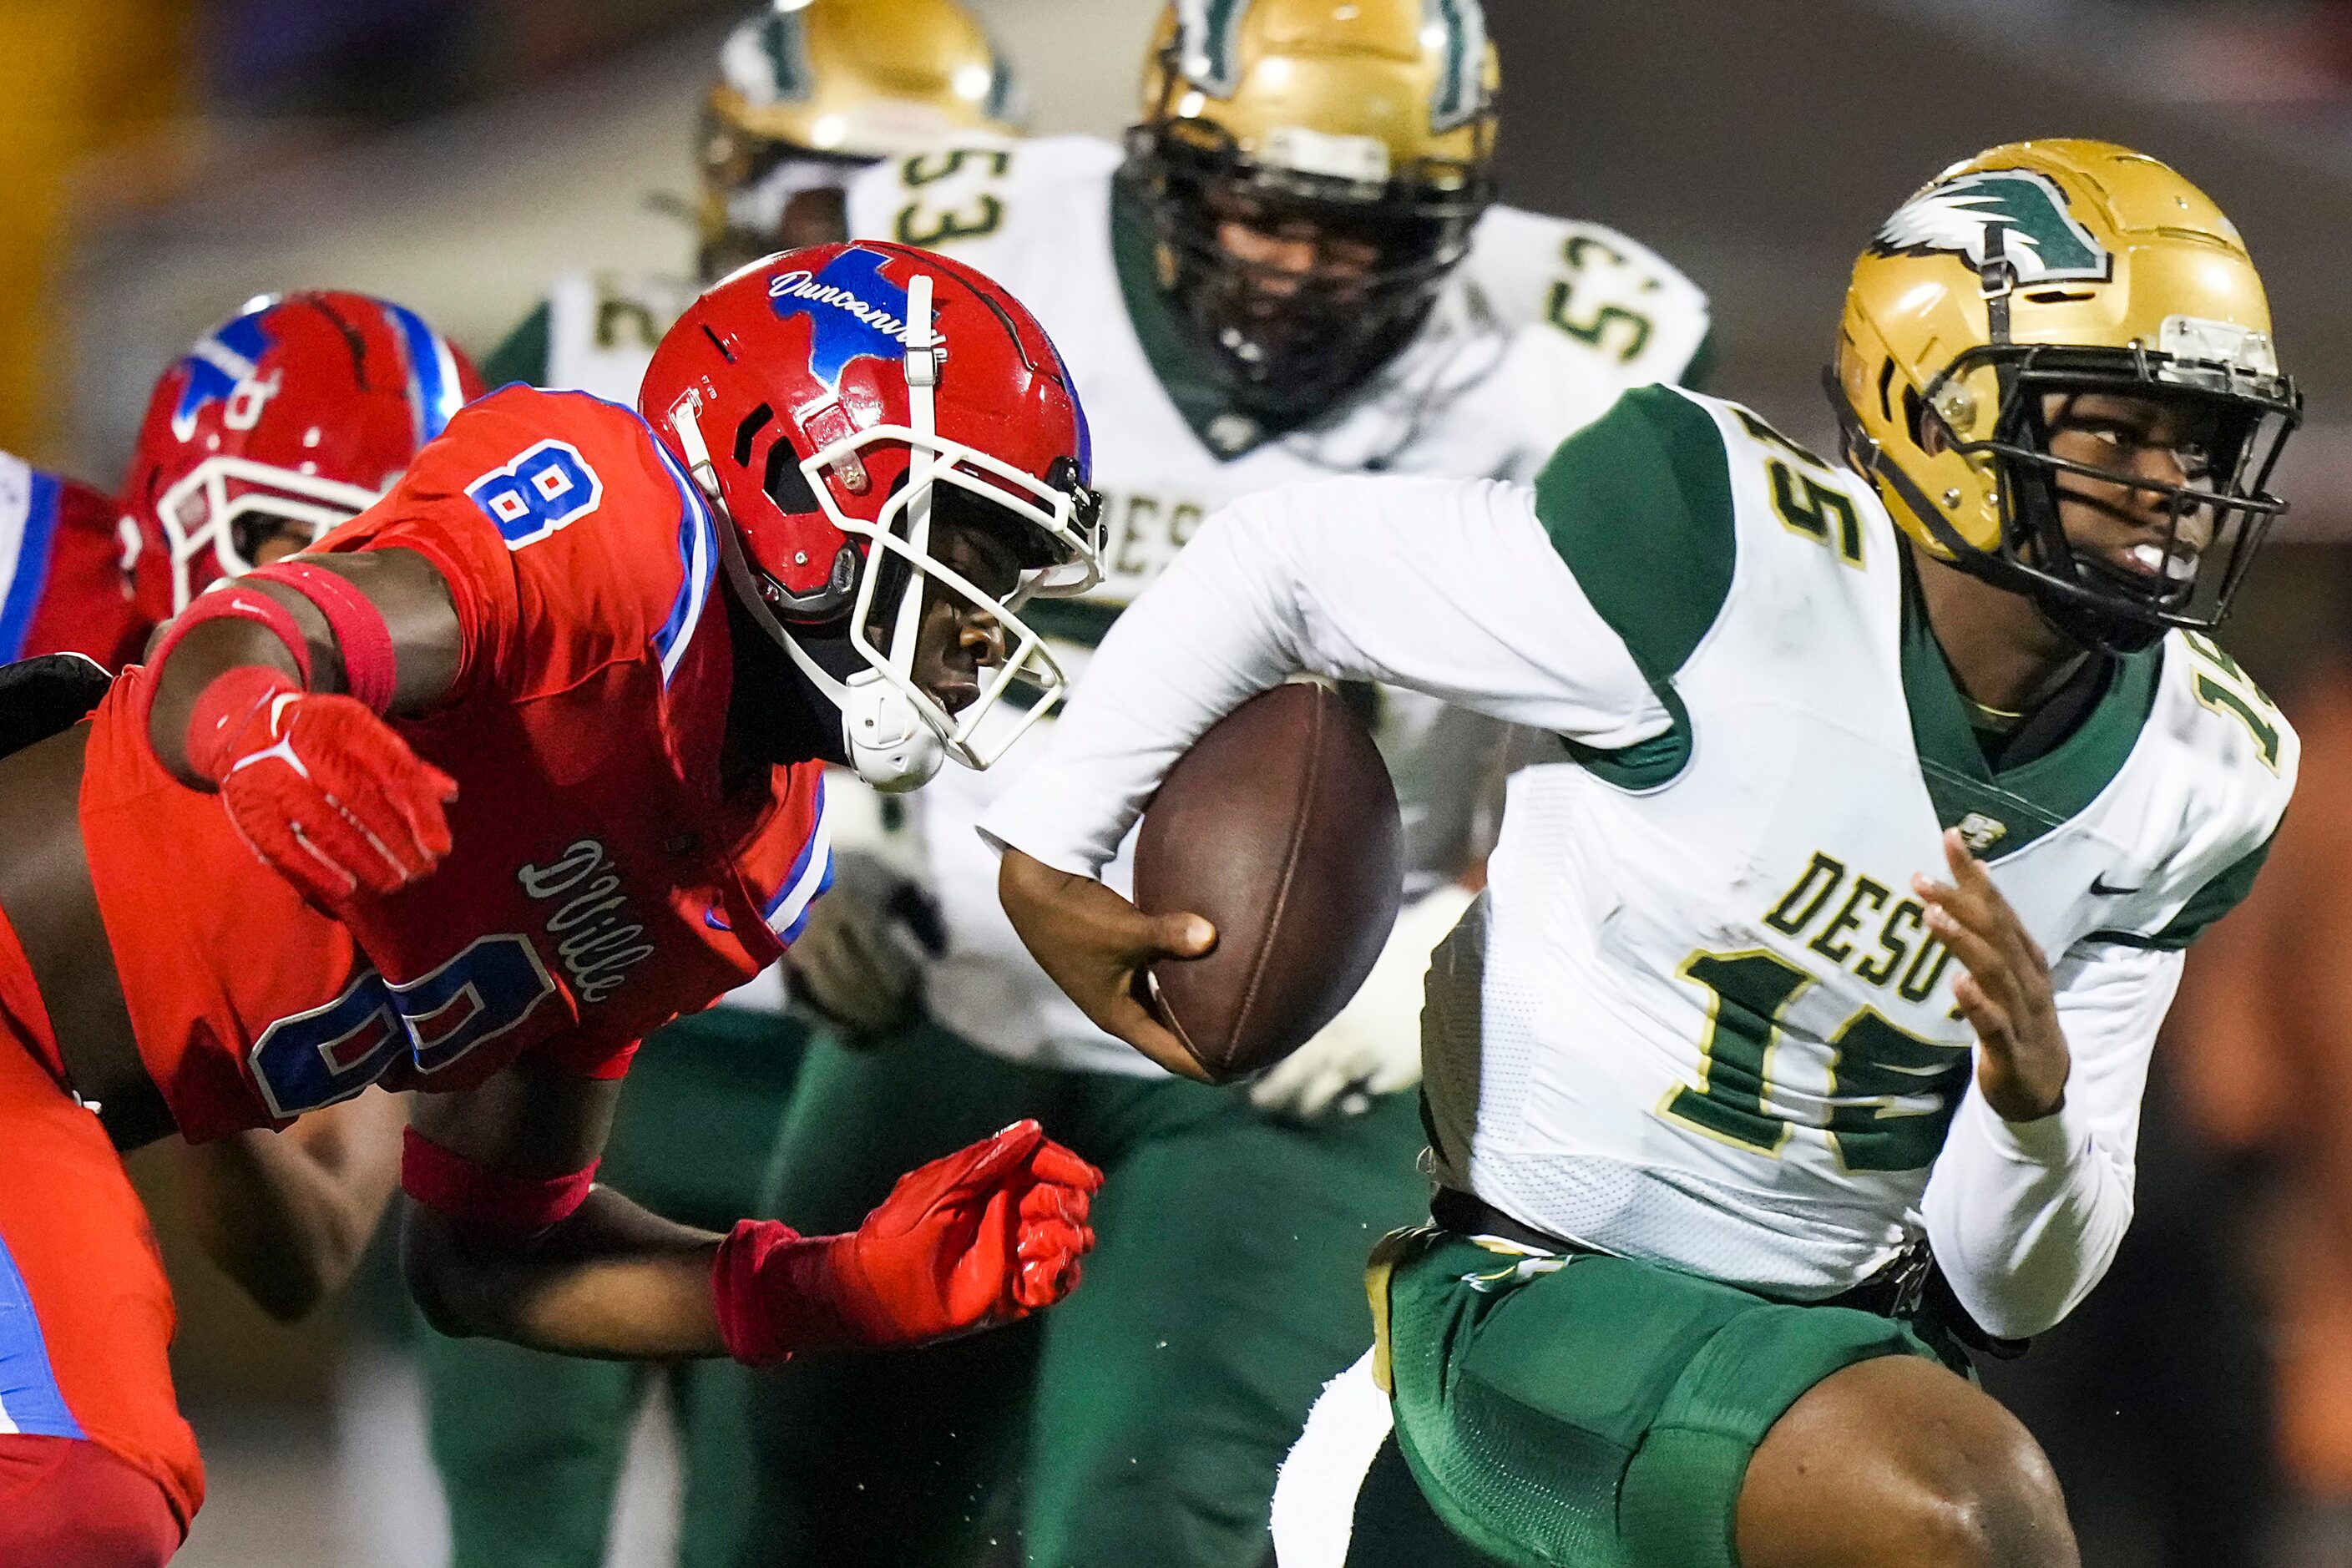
(401, 585)
(1448, 587)
(286, 1214)
(1452, 588)
(507, 1236)
(607, 1279)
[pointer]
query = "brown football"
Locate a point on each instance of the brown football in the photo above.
(1280, 825)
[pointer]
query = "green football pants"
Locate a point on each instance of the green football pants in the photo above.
(1140, 1423)
(529, 1445)
(1589, 1411)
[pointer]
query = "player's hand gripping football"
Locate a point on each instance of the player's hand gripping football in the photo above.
(2021, 1056)
(324, 790)
(982, 1237)
(1100, 949)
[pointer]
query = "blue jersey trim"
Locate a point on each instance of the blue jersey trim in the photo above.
(24, 590)
(30, 1400)
(811, 874)
(697, 553)
(786, 911)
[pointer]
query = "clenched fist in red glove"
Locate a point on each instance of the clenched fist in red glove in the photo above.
(322, 789)
(983, 1236)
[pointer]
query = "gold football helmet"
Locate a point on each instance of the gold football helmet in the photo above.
(809, 91)
(2029, 275)
(1367, 125)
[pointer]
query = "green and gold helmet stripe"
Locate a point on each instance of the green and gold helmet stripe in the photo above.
(1208, 44)
(783, 43)
(1461, 95)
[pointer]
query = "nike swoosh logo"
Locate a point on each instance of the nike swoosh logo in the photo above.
(2100, 888)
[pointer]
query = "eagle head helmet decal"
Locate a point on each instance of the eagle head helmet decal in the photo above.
(2040, 240)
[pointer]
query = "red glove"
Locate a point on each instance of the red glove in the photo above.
(322, 789)
(983, 1236)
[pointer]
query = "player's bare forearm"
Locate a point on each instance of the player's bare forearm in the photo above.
(611, 1280)
(1097, 947)
(286, 1214)
(404, 588)
(2023, 1063)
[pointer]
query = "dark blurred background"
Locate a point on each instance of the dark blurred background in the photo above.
(163, 159)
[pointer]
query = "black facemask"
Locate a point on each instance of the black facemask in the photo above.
(1289, 343)
(2237, 422)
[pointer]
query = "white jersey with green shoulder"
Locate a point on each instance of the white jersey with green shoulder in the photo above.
(602, 328)
(1696, 1017)
(1538, 330)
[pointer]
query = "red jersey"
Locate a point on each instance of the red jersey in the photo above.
(63, 585)
(599, 886)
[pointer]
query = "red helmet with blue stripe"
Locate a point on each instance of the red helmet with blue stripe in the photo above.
(826, 400)
(296, 414)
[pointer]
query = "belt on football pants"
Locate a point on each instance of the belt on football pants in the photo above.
(1899, 1290)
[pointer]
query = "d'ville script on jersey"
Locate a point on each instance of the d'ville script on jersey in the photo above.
(598, 936)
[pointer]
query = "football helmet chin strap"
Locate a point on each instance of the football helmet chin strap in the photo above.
(885, 735)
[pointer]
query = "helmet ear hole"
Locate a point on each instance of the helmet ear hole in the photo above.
(1885, 379)
(1915, 418)
(784, 483)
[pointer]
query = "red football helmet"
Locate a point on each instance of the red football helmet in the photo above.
(301, 409)
(819, 397)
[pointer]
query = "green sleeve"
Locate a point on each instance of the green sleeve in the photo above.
(521, 355)
(2209, 903)
(1638, 504)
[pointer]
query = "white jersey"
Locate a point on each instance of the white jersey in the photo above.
(1538, 330)
(1697, 1017)
(601, 329)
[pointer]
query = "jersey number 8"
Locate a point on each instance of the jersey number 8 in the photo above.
(333, 1052)
(547, 488)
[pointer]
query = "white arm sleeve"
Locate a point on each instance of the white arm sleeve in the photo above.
(1449, 587)
(2026, 1216)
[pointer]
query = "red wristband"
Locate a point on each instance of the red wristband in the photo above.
(216, 720)
(369, 672)
(232, 603)
(773, 1290)
(475, 1197)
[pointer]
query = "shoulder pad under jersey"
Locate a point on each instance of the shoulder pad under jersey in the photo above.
(2232, 758)
(561, 524)
(1608, 305)
(984, 202)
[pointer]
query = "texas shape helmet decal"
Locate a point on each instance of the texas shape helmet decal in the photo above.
(2040, 238)
(854, 312)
